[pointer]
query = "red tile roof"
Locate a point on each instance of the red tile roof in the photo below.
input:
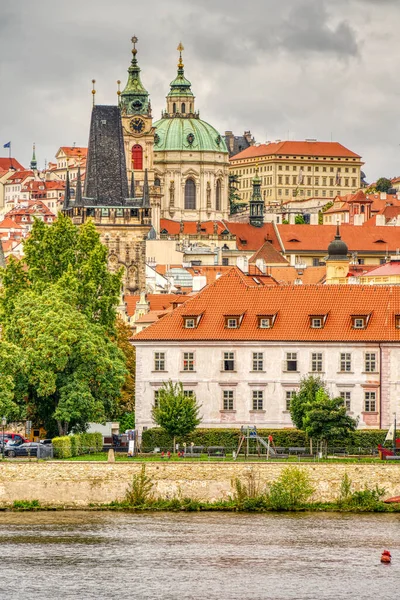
(293, 305)
(365, 238)
(190, 227)
(74, 151)
(295, 149)
(252, 238)
(6, 163)
(157, 301)
(288, 275)
(20, 175)
(268, 253)
(390, 268)
(8, 223)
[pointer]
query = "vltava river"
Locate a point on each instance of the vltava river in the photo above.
(210, 556)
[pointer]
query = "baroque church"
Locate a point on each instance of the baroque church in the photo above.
(186, 158)
(139, 171)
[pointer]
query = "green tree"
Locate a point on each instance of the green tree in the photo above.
(235, 203)
(299, 220)
(309, 386)
(126, 402)
(383, 184)
(326, 419)
(66, 369)
(176, 413)
(52, 252)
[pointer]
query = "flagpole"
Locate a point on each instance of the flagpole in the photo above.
(394, 436)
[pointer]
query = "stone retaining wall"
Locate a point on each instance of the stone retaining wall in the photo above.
(84, 483)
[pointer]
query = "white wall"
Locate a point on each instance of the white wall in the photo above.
(208, 381)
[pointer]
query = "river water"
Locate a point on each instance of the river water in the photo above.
(209, 556)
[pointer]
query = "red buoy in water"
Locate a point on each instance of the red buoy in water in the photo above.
(386, 557)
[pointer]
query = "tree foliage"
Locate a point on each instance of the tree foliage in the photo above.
(326, 419)
(383, 184)
(51, 253)
(65, 368)
(235, 203)
(309, 386)
(176, 413)
(126, 402)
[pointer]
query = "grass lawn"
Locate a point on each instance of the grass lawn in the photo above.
(121, 457)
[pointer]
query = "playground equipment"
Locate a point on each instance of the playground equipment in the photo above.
(250, 433)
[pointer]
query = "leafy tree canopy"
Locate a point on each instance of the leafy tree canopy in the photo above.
(309, 386)
(235, 203)
(126, 402)
(57, 365)
(326, 419)
(383, 184)
(176, 413)
(59, 250)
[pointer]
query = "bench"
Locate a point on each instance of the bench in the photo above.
(193, 451)
(216, 451)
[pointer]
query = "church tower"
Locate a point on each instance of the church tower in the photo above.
(137, 124)
(256, 203)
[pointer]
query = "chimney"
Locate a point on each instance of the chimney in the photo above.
(242, 262)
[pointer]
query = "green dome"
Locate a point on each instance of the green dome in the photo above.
(187, 134)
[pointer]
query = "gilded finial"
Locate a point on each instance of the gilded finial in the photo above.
(180, 48)
(256, 167)
(119, 90)
(134, 41)
(93, 90)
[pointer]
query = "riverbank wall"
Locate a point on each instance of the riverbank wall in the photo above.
(80, 484)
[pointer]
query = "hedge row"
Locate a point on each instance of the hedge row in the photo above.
(363, 440)
(77, 444)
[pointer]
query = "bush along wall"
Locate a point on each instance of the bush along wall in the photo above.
(77, 444)
(361, 441)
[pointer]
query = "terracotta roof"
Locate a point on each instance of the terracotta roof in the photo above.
(252, 238)
(20, 175)
(8, 223)
(365, 238)
(268, 253)
(292, 305)
(74, 151)
(151, 317)
(288, 275)
(297, 148)
(390, 268)
(6, 163)
(190, 227)
(157, 301)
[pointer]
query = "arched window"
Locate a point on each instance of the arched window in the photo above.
(137, 157)
(157, 182)
(218, 195)
(183, 108)
(190, 195)
(174, 107)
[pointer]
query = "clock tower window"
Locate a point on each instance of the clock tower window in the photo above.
(137, 157)
(183, 109)
(174, 107)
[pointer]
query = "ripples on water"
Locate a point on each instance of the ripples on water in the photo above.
(211, 556)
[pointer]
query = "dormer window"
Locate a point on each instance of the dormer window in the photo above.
(191, 321)
(360, 321)
(397, 321)
(318, 321)
(233, 321)
(266, 321)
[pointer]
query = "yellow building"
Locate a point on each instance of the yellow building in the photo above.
(298, 170)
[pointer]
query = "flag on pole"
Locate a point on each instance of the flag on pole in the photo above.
(8, 145)
(390, 434)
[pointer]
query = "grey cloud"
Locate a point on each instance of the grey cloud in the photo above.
(294, 67)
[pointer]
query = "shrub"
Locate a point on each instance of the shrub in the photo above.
(290, 490)
(62, 447)
(76, 447)
(97, 441)
(139, 492)
(367, 499)
(345, 490)
(26, 504)
(249, 495)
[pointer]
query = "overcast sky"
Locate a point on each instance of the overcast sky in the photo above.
(284, 69)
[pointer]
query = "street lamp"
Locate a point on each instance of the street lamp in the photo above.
(3, 424)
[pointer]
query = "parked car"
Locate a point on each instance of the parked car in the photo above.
(13, 438)
(25, 449)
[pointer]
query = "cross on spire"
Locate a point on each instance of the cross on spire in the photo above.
(180, 48)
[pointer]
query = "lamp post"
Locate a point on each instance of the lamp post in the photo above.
(3, 424)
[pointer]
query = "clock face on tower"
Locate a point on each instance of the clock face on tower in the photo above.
(137, 125)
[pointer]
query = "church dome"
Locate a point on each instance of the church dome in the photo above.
(192, 134)
(337, 249)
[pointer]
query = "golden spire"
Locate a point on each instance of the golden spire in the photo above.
(134, 41)
(180, 48)
(93, 90)
(119, 90)
(256, 168)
